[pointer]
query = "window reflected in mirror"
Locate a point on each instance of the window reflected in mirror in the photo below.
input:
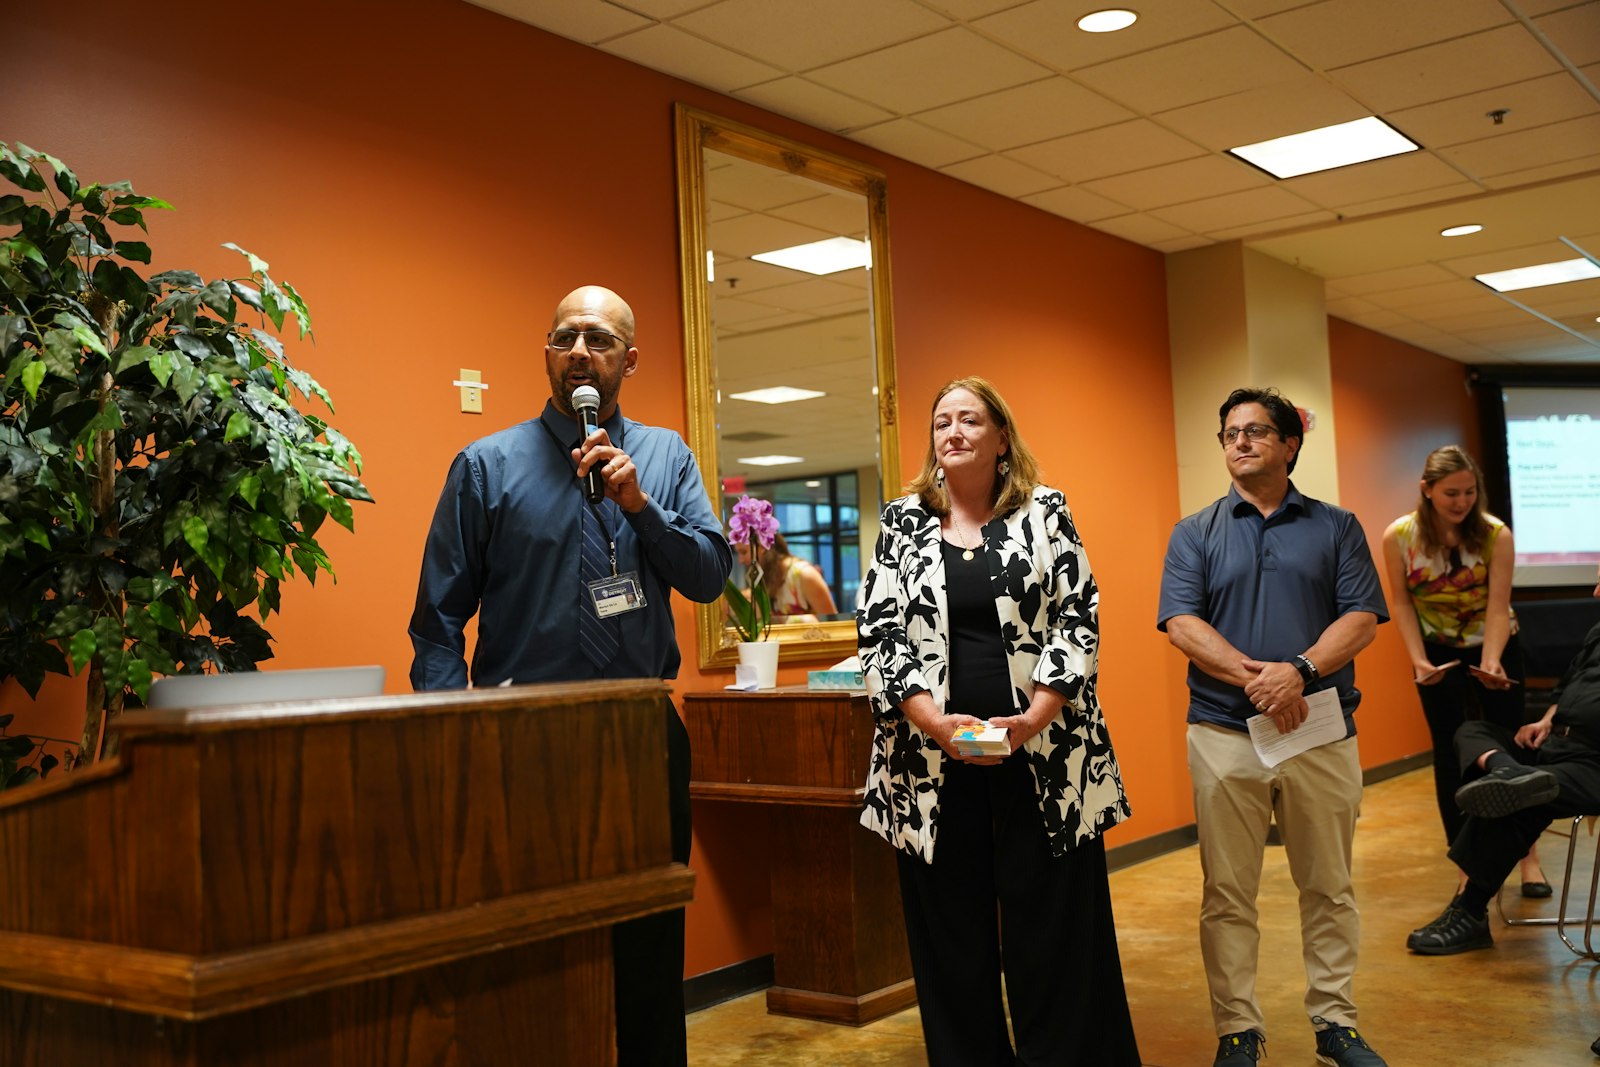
(789, 363)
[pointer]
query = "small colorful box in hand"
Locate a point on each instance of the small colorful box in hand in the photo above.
(981, 739)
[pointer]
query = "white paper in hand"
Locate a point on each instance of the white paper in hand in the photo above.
(1325, 723)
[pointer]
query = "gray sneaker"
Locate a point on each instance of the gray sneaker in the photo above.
(1505, 790)
(1240, 1049)
(1341, 1046)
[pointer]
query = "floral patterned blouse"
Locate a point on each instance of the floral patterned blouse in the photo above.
(1449, 587)
(1048, 608)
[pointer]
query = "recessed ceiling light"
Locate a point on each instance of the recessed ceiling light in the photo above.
(821, 257)
(813, 485)
(778, 394)
(769, 461)
(1323, 149)
(1460, 231)
(1107, 21)
(1568, 270)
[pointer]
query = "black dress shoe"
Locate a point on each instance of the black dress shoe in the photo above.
(1505, 790)
(1595, 1048)
(1537, 890)
(1455, 930)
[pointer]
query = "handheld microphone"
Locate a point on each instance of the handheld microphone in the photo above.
(586, 402)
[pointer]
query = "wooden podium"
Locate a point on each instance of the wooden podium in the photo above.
(839, 940)
(419, 879)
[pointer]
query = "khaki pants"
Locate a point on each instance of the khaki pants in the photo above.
(1315, 797)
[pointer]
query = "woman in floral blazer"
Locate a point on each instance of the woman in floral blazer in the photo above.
(979, 605)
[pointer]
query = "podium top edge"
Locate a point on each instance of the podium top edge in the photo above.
(167, 721)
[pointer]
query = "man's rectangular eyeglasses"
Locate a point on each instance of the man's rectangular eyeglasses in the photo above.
(598, 342)
(1255, 432)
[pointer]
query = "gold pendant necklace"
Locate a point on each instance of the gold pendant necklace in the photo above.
(966, 553)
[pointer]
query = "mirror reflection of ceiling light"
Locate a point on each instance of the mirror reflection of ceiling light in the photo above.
(1107, 21)
(711, 266)
(777, 394)
(769, 461)
(1331, 146)
(1460, 231)
(820, 257)
(1568, 270)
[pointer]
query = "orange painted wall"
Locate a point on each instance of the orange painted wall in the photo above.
(1396, 404)
(434, 181)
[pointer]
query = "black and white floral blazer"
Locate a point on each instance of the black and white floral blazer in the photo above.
(1048, 607)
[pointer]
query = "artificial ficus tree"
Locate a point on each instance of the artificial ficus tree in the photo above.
(157, 480)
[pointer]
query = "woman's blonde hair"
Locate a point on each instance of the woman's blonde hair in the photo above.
(1473, 530)
(1012, 489)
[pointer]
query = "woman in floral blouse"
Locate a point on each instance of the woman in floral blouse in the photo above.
(979, 605)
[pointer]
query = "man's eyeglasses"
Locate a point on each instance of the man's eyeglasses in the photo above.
(598, 342)
(1255, 432)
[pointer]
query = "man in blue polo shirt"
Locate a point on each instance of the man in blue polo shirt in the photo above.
(1271, 594)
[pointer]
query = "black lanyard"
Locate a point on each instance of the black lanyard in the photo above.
(599, 516)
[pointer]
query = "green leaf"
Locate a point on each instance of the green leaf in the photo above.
(239, 425)
(250, 489)
(163, 616)
(161, 367)
(131, 200)
(33, 531)
(66, 181)
(139, 677)
(257, 264)
(22, 248)
(129, 216)
(32, 375)
(137, 251)
(339, 508)
(82, 649)
(196, 533)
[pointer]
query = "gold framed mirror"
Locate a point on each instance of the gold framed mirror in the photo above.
(822, 331)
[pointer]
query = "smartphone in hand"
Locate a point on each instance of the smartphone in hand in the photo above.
(1438, 672)
(1493, 681)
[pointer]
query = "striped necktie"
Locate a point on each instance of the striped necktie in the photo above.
(598, 638)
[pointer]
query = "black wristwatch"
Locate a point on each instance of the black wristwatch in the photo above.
(1307, 669)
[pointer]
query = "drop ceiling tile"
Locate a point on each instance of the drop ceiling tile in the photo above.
(1255, 9)
(798, 37)
(911, 140)
(665, 9)
(586, 23)
(1504, 315)
(1202, 68)
(1075, 203)
(1385, 281)
(1453, 290)
(1532, 103)
(1336, 33)
(1048, 30)
(929, 72)
(1374, 179)
(748, 234)
(970, 9)
(1533, 175)
(1038, 111)
(1535, 8)
(1376, 319)
(1268, 227)
(1542, 146)
(813, 104)
(1529, 329)
(1563, 299)
(1142, 229)
(1575, 32)
(674, 52)
(1482, 262)
(1244, 208)
(1181, 244)
(1001, 175)
(1303, 102)
(1174, 183)
(1469, 64)
(1127, 146)
(1345, 306)
(1453, 191)
(844, 214)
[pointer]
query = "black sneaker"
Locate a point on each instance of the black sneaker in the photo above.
(1240, 1049)
(1455, 930)
(1341, 1046)
(1505, 790)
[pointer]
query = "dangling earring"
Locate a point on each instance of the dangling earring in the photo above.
(1005, 467)
(938, 475)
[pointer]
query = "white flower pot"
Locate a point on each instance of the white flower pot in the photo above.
(763, 656)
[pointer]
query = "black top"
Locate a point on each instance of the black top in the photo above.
(980, 681)
(1577, 698)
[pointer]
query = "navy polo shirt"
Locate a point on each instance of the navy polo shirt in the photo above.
(1270, 585)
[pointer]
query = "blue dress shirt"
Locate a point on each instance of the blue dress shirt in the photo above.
(504, 545)
(1270, 585)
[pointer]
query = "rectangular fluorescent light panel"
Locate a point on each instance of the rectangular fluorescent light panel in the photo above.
(778, 394)
(769, 461)
(1324, 149)
(821, 257)
(1568, 270)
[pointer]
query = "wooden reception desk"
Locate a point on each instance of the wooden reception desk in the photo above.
(839, 942)
(396, 881)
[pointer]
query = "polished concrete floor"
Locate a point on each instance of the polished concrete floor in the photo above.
(1529, 1000)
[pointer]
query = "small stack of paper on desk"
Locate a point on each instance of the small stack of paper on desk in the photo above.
(981, 739)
